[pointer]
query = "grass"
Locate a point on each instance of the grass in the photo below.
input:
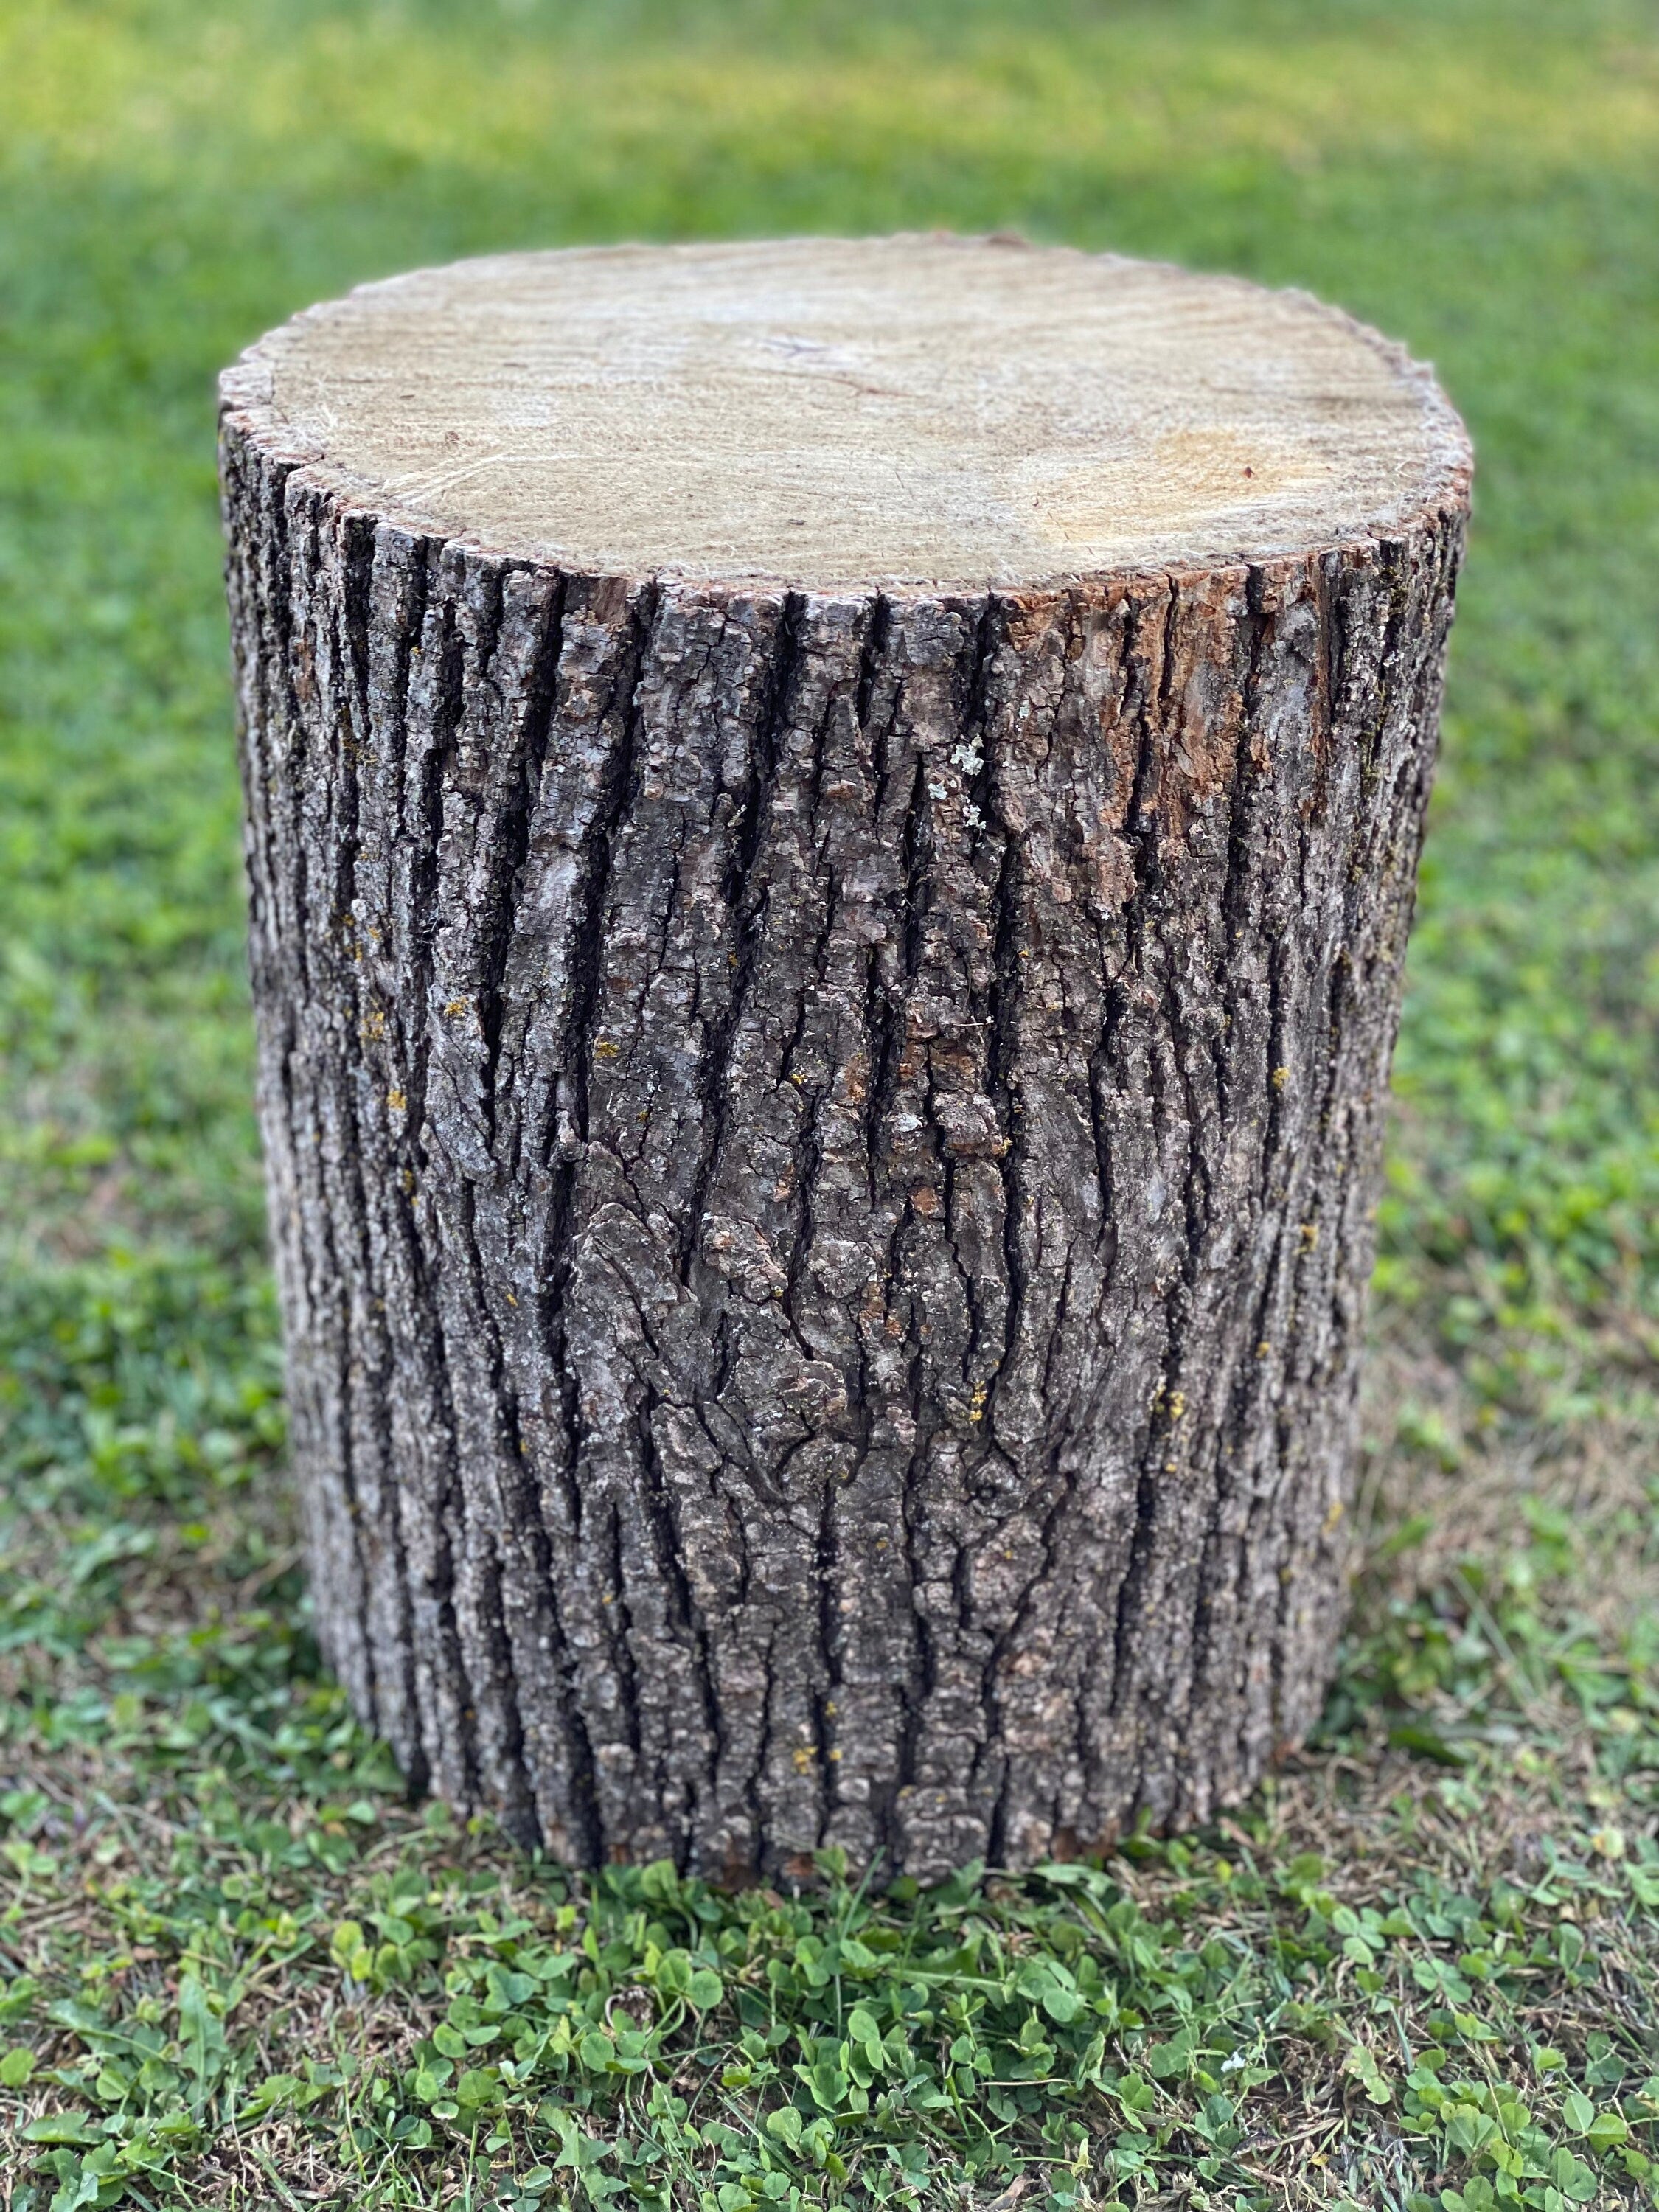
(236, 1968)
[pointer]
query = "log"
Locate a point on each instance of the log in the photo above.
(831, 828)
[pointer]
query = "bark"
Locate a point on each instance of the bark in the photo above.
(823, 1152)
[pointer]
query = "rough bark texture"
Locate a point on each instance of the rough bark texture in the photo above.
(823, 1152)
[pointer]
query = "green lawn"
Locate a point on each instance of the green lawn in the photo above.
(1421, 1969)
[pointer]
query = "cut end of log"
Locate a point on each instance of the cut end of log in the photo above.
(923, 413)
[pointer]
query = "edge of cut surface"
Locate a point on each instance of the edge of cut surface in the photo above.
(248, 405)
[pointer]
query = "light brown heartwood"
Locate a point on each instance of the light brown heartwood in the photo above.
(831, 827)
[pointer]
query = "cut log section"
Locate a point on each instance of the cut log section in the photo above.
(831, 827)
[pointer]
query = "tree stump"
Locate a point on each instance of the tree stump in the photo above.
(831, 828)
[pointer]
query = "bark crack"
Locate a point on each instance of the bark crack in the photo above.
(745, 898)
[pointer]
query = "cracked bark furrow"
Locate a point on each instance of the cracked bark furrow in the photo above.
(822, 1150)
